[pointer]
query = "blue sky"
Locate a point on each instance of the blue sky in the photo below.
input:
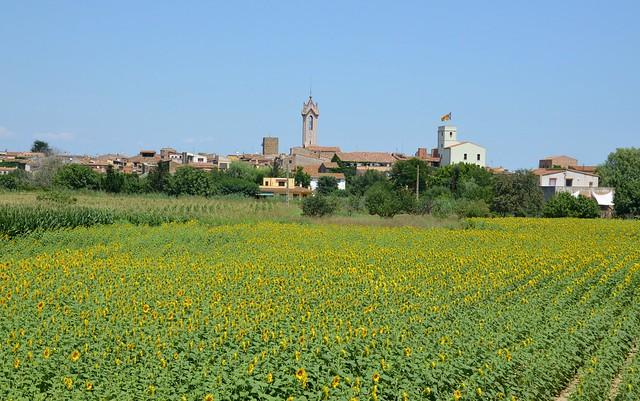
(526, 79)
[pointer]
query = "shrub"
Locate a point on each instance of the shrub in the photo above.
(566, 205)
(239, 186)
(77, 176)
(190, 181)
(443, 207)
(17, 179)
(8, 181)
(471, 208)
(354, 204)
(318, 206)
(382, 201)
(586, 208)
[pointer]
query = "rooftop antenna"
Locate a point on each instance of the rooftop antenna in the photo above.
(310, 85)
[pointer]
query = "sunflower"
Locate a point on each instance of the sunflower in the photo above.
(269, 377)
(376, 377)
(68, 382)
(89, 386)
(457, 395)
(75, 355)
(16, 363)
(146, 308)
(40, 306)
(208, 397)
(335, 382)
(301, 374)
(46, 353)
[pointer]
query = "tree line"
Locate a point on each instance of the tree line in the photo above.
(411, 186)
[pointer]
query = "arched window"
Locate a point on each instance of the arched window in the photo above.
(310, 122)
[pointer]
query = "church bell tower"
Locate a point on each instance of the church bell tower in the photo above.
(310, 114)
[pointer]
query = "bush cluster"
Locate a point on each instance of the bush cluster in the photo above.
(566, 205)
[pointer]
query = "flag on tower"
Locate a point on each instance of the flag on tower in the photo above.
(446, 117)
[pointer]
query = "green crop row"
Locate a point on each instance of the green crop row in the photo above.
(18, 220)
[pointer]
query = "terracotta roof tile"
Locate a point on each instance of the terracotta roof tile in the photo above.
(372, 157)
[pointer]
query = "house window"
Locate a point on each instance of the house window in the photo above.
(590, 183)
(465, 156)
(281, 183)
(569, 182)
(450, 134)
(552, 182)
(310, 122)
(478, 157)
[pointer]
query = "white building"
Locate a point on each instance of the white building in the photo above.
(554, 181)
(452, 151)
(188, 158)
(566, 178)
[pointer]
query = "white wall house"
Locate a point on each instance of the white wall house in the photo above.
(567, 178)
(452, 151)
(188, 158)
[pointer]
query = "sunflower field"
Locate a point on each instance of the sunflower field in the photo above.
(508, 309)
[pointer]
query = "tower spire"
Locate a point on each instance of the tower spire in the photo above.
(310, 114)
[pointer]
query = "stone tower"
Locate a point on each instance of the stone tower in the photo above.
(310, 113)
(270, 145)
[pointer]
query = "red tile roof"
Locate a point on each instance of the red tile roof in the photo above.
(547, 171)
(371, 157)
(316, 148)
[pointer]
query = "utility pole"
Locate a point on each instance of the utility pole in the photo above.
(418, 183)
(288, 182)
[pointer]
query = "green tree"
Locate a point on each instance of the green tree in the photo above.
(465, 180)
(318, 206)
(113, 180)
(359, 184)
(8, 181)
(302, 178)
(430, 198)
(42, 147)
(134, 184)
(327, 184)
(236, 186)
(158, 179)
(404, 174)
(517, 194)
(246, 171)
(621, 171)
(383, 201)
(190, 181)
(586, 208)
(77, 176)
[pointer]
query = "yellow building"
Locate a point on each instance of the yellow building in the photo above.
(272, 186)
